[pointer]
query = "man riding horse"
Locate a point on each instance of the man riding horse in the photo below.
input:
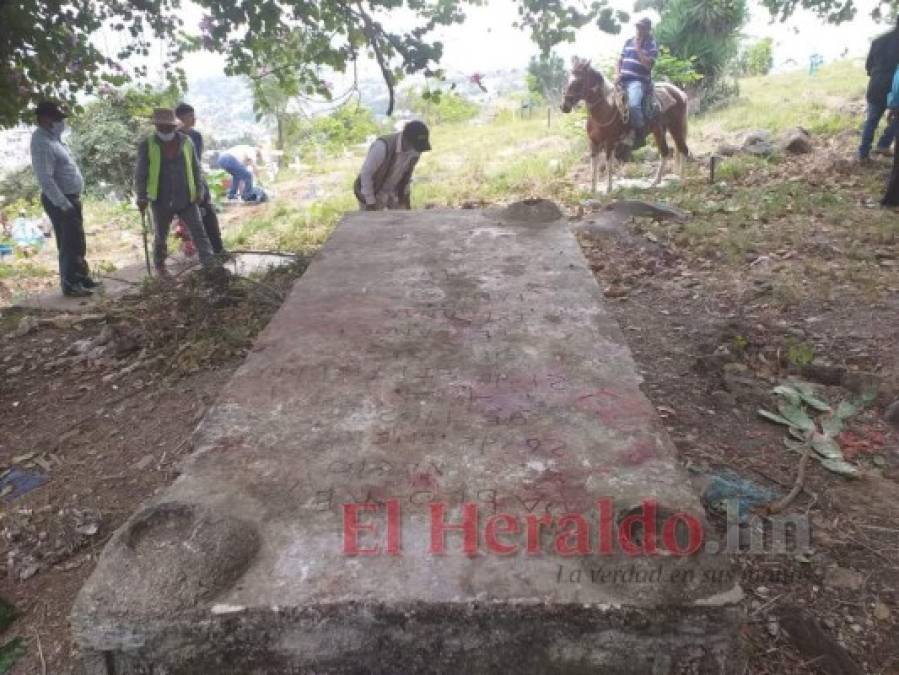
(634, 74)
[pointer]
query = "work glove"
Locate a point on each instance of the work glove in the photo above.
(142, 205)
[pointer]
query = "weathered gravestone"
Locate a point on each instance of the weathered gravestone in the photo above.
(437, 458)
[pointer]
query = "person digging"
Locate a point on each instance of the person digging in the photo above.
(385, 181)
(167, 179)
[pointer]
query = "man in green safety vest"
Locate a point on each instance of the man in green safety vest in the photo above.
(167, 177)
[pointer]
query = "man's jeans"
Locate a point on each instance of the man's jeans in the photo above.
(635, 89)
(875, 113)
(239, 174)
(68, 227)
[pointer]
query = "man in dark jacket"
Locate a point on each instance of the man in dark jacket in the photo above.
(386, 178)
(881, 64)
(185, 113)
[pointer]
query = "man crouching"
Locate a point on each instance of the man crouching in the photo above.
(167, 177)
(385, 181)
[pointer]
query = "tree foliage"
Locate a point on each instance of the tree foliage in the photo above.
(288, 39)
(20, 185)
(105, 136)
(704, 32)
(271, 100)
(348, 125)
(757, 58)
(547, 76)
(47, 50)
(669, 68)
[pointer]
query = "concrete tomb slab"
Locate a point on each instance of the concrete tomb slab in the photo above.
(437, 458)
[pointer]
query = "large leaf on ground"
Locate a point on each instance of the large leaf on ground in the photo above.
(830, 455)
(796, 415)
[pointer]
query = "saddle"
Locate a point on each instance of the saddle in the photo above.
(656, 101)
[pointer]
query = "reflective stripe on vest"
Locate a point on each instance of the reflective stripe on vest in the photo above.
(154, 152)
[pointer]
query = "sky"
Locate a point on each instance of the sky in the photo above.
(488, 41)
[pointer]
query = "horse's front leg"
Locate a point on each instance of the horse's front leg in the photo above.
(594, 162)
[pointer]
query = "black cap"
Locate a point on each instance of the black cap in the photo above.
(183, 109)
(49, 109)
(645, 23)
(418, 135)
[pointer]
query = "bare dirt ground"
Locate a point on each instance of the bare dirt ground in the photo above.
(104, 405)
(715, 324)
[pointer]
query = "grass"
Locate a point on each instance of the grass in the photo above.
(498, 161)
(795, 99)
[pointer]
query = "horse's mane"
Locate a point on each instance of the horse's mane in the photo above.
(586, 67)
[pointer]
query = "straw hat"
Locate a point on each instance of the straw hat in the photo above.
(165, 116)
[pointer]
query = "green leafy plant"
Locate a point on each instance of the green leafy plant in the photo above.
(438, 106)
(800, 354)
(795, 400)
(757, 58)
(20, 185)
(670, 68)
(703, 32)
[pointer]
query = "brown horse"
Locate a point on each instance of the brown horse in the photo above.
(607, 128)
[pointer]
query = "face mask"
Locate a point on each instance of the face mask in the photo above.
(165, 137)
(58, 127)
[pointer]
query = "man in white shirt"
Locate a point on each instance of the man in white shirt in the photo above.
(385, 181)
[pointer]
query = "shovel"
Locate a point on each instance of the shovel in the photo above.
(143, 221)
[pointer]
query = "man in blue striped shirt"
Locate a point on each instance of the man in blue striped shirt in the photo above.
(635, 74)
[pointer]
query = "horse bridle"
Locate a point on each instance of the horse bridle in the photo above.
(597, 90)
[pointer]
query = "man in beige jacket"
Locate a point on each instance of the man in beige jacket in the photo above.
(385, 181)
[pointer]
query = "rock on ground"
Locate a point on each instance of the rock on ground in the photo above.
(797, 141)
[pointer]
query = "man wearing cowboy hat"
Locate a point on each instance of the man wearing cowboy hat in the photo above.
(167, 177)
(61, 185)
(635, 75)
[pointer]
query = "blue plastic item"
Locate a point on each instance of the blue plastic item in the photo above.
(23, 481)
(727, 485)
